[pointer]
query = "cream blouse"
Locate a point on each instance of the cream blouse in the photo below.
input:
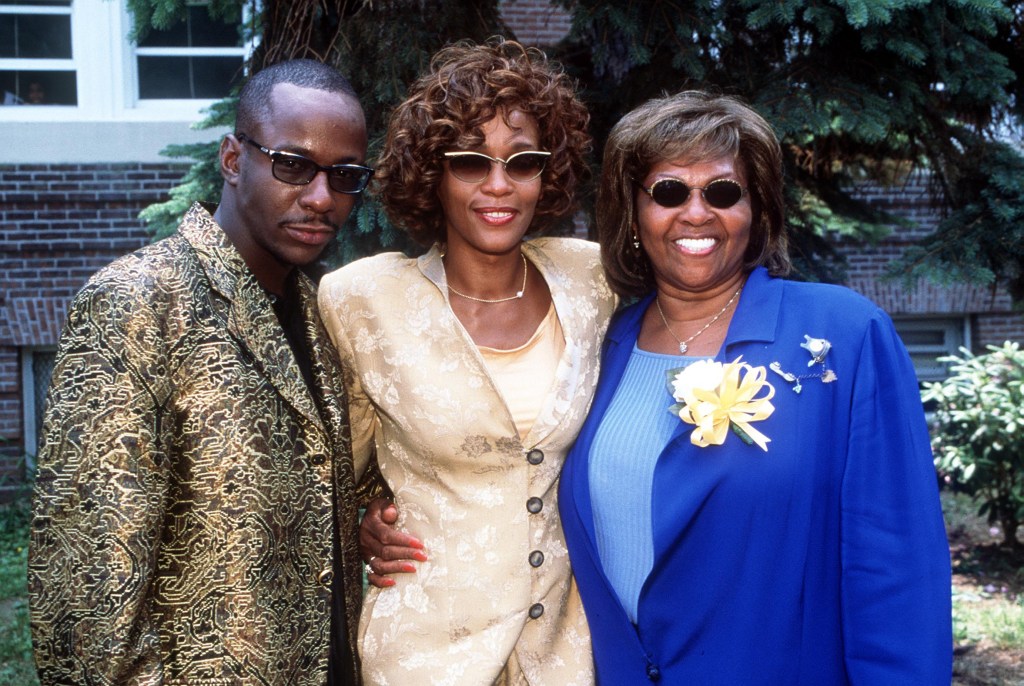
(524, 374)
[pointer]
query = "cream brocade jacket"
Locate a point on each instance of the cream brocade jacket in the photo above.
(483, 502)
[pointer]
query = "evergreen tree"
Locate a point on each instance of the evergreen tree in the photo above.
(856, 89)
(381, 46)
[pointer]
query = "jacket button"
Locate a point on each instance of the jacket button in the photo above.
(534, 505)
(536, 610)
(535, 456)
(536, 558)
(325, 577)
(653, 673)
(318, 459)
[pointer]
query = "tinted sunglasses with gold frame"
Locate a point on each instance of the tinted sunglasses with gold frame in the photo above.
(297, 170)
(720, 193)
(473, 167)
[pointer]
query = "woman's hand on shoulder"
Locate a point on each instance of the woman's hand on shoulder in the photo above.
(386, 549)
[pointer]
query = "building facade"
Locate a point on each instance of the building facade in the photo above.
(86, 111)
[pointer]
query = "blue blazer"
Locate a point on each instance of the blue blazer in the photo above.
(824, 560)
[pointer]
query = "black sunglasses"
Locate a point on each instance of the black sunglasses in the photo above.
(473, 167)
(720, 193)
(299, 171)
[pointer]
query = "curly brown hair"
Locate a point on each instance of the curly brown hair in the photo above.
(466, 86)
(691, 125)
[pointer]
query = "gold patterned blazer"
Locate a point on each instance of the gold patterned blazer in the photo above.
(497, 588)
(183, 505)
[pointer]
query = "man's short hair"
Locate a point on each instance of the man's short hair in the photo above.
(254, 99)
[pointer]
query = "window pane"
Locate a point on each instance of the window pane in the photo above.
(923, 337)
(211, 33)
(38, 3)
(214, 76)
(8, 44)
(163, 78)
(41, 36)
(38, 88)
(928, 339)
(197, 31)
(42, 369)
(174, 37)
(927, 366)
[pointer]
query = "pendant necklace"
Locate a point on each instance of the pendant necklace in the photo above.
(519, 293)
(683, 344)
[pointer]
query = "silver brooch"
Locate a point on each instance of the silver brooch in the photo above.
(819, 349)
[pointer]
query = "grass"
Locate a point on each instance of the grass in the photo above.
(16, 666)
(988, 599)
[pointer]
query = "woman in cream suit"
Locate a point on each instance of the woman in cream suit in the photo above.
(471, 370)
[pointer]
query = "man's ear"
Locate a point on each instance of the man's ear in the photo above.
(230, 151)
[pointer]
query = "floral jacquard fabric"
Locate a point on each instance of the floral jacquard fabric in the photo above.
(497, 592)
(183, 508)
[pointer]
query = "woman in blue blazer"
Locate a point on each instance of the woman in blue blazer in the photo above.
(752, 499)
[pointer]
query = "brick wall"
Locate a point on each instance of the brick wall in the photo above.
(990, 311)
(994, 329)
(58, 225)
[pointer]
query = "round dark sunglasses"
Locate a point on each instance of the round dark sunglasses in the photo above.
(720, 193)
(298, 170)
(473, 167)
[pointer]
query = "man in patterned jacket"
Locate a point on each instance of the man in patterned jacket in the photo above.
(194, 515)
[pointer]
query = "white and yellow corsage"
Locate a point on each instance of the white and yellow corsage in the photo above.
(716, 397)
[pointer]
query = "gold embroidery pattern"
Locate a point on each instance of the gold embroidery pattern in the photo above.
(183, 503)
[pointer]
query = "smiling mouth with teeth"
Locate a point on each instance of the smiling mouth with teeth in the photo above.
(695, 244)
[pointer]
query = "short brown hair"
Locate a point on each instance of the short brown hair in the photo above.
(466, 86)
(694, 126)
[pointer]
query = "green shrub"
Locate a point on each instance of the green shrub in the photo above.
(978, 437)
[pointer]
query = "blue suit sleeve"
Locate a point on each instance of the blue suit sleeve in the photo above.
(895, 556)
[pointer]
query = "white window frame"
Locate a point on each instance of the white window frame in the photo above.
(104, 61)
(131, 67)
(40, 64)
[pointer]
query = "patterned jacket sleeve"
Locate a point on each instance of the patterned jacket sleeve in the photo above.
(372, 485)
(100, 493)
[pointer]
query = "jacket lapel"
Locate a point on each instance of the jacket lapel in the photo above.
(251, 318)
(756, 320)
(326, 366)
(253, 322)
(615, 354)
(567, 379)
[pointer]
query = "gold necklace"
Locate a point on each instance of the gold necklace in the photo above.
(519, 293)
(682, 344)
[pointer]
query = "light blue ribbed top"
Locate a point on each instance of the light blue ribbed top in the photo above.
(635, 429)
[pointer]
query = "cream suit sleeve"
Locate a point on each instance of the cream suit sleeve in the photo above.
(362, 415)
